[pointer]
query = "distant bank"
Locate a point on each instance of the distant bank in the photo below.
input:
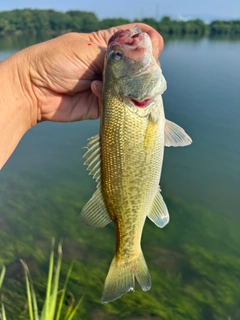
(55, 22)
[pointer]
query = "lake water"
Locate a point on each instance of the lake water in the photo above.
(195, 260)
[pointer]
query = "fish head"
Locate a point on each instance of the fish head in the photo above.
(132, 70)
(133, 47)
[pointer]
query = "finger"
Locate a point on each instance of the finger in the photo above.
(96, 87)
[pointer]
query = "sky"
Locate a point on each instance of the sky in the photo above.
(137, 9)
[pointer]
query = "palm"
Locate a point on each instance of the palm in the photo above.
(63, 72)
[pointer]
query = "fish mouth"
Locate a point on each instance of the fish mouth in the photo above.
(141, 103)
(129, 37)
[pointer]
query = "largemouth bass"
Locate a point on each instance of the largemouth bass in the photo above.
(126, 157)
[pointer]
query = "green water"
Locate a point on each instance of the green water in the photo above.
(194, 261)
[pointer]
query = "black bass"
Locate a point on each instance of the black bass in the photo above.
(126, 157)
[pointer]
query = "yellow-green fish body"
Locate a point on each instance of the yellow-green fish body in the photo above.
(126, 158)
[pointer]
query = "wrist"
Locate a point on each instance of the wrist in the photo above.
(17, 111)
(20, 80)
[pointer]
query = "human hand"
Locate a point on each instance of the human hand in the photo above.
(57, 80)
(65, 73)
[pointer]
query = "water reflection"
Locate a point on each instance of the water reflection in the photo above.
(194, 261)
(22, 41)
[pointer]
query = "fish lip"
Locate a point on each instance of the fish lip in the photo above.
(140, 103)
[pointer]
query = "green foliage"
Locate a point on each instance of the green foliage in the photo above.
(54, 300)
(83, 21)
(2, 275)
(38, 21)
(225, 27)
(151, 22)
(108, 23)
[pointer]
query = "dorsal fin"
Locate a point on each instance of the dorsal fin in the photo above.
(93, 157)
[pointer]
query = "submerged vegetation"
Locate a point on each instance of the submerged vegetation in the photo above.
(55, 22)
(194, 261)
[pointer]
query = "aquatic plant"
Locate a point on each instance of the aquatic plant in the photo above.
(194, 268)
(54, 300)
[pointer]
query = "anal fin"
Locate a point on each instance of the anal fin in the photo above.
(94, 214)
(159, 212)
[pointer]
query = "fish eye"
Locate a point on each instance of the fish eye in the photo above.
(116, 55)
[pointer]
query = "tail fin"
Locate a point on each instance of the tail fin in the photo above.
(121, 278)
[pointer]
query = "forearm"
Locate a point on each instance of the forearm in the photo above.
(16, 111)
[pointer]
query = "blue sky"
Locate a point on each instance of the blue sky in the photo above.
(138, 9)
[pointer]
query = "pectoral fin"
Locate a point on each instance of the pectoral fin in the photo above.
(94, 214)
(159, 212)
(175, 136)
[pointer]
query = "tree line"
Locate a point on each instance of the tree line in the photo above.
(39, 21)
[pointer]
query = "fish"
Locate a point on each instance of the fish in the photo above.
(126, 157)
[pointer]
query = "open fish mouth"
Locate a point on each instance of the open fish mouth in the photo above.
(141, 103)
(129, 37)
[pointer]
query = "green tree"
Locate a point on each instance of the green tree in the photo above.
(219, 27)
(27, 20)
(83, 21)
(165, 25)
(108, 23)
(194, 27)
(38, 21)
(58, 21)
(151, 22)
(235, 27)
(3, 24)
(41, 20)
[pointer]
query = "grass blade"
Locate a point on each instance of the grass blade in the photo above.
(70, 307)
(34, 299)
(60, 305)
(54, 294)
(73, 313)
(29, 294)
(33, 308)
(3, 313)
(2, 275)
(45, 313)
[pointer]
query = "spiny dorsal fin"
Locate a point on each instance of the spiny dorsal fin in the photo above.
(159, 212)
(175, 136)
(94, 214)
(93, 159)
